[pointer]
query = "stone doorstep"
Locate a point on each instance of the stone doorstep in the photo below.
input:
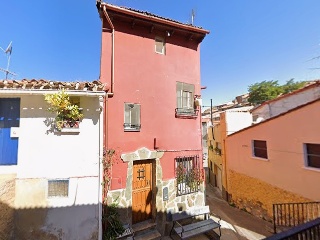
(149, 234)
(141, 226)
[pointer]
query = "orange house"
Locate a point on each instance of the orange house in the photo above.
(276, 160)
(152, 67)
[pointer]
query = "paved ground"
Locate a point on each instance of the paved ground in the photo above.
(236, 224)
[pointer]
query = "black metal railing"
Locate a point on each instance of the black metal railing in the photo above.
(306, 231)
(131, 127)
(186, 112)
(188, 174)
(292, 214)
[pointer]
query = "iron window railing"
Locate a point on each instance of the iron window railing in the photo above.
(188, 174)
(186, 112)
(131, 127)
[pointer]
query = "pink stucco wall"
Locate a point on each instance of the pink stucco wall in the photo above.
(145, 77)
(285, 136)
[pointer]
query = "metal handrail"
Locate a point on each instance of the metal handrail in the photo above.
(293, 214)
(306, 231)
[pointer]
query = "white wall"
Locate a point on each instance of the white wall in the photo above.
(284, 104)
(237, 119)
(45, 154)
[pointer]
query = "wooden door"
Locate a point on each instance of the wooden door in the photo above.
(219, 179)
(141, 191)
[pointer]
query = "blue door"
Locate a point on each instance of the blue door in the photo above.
(9, 117)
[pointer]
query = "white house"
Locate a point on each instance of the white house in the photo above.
(50, 181)
(284, 103)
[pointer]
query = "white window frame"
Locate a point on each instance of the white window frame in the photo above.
(163, 48)
(129, 125)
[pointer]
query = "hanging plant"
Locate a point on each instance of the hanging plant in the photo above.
(68, 115)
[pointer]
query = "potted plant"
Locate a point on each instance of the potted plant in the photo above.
(68, 115)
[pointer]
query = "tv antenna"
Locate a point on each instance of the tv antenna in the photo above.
(193, 15)
(8, 52)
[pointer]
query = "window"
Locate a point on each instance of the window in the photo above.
(260, 149)
(188, 174)
(160, 45)
(312, 155)
(132, 117)
(58, 188)
(217, 149)
(185, 99)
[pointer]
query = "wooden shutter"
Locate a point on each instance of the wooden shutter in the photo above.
(135, 115)
(179, 87)
(127, 113)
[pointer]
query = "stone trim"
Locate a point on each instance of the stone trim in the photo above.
(141, 154)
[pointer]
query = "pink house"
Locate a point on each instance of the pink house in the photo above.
(152, 67)
(278, 159)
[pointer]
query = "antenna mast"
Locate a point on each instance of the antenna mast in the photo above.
(8, 52)
(193, 15)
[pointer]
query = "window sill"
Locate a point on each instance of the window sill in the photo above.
(131, 130)
(261, 159)
(312, 169)
(71, 130)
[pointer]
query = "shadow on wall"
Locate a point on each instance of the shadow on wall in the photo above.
(61, 223)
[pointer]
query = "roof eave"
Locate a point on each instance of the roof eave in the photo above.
(155, 19)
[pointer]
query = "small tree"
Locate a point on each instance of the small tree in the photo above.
(263, 91)
(268, 90)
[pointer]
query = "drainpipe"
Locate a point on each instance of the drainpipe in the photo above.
(101, 144)
(112, 51)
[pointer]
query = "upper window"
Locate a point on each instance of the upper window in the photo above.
(160, 45)
(312, 155)
(185, 99)
(132, 117)
(188, 174)
(260, 149)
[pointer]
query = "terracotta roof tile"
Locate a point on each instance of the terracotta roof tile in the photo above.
(41, 84)
(157, 16)
(154, 17)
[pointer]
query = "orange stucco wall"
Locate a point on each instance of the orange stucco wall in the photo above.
(145, 77)
(285, 168)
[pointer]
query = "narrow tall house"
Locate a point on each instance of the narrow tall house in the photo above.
(153, 129)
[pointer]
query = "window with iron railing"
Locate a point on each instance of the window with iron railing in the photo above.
(185, 99)
(188, 174)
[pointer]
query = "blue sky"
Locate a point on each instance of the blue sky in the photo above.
(249, 41)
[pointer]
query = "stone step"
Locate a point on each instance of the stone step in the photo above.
(149, 234)
(145, 225)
